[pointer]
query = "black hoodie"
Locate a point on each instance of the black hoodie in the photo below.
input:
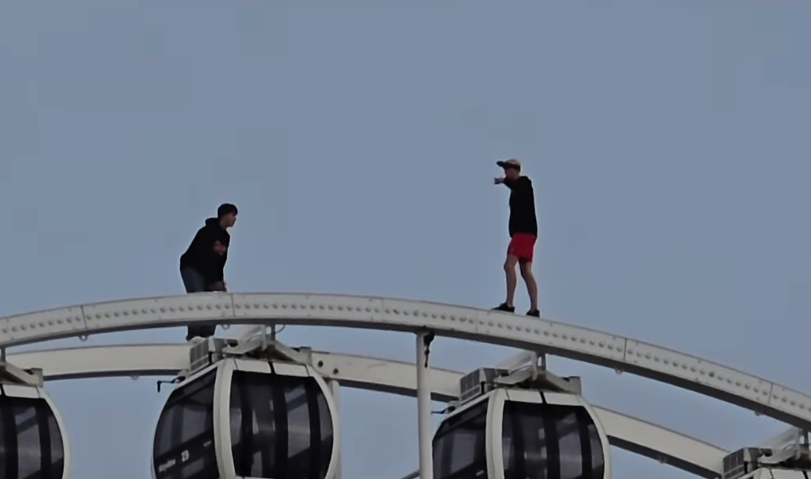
(201, 256)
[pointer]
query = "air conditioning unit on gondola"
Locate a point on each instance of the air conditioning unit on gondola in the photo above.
(743, 461)
(479, 382)
(208, 352)
(522, 372)
(788, 452)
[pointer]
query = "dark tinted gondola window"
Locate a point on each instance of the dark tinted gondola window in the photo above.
(459, 446)
(28, 442)
(298, 428)
(184, 438)
(550, 442)
(571, 452)
(326, 435)
(31, 444)
(597, 457)
(57, 448)
(523, 444)
(281, 427)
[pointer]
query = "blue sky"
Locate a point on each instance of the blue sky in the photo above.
(668, 142)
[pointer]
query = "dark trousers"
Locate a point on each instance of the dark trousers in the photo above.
(196, 283)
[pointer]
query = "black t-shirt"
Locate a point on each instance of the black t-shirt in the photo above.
(522, 207)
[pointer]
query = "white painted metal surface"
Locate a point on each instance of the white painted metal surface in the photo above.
(335, 389)
(556, 338)
(425, 425)
(374, 374)
(777, 474)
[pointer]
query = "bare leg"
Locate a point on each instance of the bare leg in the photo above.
(532, 285)
(512, 280)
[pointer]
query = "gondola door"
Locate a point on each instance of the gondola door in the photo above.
(550, 436)
(32, 439)
(184, 445)
(277, 420)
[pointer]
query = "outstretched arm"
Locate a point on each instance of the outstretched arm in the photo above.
(520, 185)
(511, 184)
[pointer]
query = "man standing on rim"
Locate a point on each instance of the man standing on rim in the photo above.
(523, 233)
(202, 265)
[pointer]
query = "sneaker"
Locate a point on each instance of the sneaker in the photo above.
(505, 308)
(534, 313)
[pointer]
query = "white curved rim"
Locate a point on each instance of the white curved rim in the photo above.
(626, 432)
(605, 349)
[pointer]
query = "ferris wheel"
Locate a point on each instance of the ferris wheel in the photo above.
(251, 407)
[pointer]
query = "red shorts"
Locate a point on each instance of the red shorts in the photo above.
(522, 246)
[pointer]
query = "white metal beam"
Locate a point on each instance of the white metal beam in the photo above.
(566, 340)
(374, 374)
(425, 425)
(335, 390)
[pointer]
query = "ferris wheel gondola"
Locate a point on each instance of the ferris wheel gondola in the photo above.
(518, 433)
(248, 418)
(32, 445)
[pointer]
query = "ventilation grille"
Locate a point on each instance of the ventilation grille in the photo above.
(480, 381)
(743, 461)
(205, 353)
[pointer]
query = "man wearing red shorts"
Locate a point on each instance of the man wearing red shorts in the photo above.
(523, 233)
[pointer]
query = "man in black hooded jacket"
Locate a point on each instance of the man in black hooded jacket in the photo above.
(202, 265)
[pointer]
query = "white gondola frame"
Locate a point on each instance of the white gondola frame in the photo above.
(38, 392)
